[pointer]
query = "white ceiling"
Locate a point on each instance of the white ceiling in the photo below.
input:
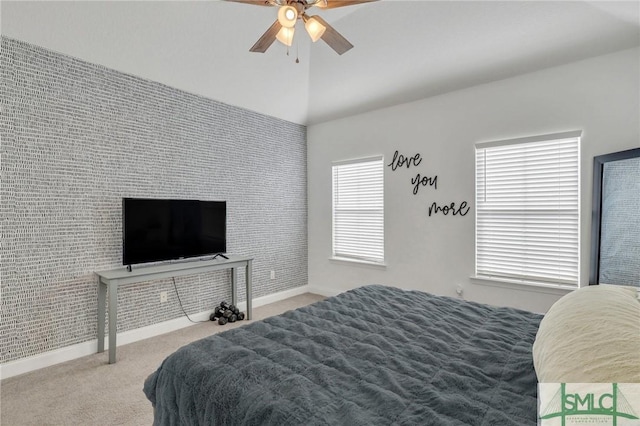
(404, 50)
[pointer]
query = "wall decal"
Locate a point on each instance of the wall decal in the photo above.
(401, 161)
(424, 181)
(451, 208)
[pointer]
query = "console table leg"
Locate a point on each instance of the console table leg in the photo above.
(113, 319)
(234, 286)
(248, 278)
(102, 311)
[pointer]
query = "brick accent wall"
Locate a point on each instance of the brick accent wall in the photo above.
(77, 138)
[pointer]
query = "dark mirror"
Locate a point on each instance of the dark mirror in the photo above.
(615, 228)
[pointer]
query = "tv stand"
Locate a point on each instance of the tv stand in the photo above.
(109, 281)
(221, 255)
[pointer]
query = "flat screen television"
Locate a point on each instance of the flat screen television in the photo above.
(156, 229)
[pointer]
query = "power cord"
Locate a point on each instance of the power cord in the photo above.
(181, 307)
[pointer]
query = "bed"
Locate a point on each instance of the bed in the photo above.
(374, 355)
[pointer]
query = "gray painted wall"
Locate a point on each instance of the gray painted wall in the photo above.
(76, 138)
(436, 253)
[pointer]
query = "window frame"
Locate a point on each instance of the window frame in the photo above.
(362, 258)
(548, 281)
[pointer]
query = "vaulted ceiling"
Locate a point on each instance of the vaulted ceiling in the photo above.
(404, 50)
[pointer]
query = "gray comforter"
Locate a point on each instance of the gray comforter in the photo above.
(371, 356)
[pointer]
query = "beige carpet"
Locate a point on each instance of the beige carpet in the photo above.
(89, 391)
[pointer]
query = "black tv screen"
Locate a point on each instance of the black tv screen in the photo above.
(156, 230)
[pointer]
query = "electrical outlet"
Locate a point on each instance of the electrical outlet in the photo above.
(459, 290)
(163, 296)
(273, 275)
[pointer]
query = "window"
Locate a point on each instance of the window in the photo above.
(527, 209)
(358, 210)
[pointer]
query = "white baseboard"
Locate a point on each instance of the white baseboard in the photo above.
(324, 291)
(36, 362)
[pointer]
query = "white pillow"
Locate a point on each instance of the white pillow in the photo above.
(591, 335)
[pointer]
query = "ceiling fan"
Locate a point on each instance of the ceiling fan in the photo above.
(289, 11)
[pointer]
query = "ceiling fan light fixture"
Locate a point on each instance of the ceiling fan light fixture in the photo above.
(285, 36)
(287, 16)
(314, 28)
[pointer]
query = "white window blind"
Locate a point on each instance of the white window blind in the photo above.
(358, 210)
(527, 209)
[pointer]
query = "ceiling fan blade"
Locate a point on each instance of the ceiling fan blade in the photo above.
(267, 38)
(254, 2)
(333, 38)
(332, 4)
